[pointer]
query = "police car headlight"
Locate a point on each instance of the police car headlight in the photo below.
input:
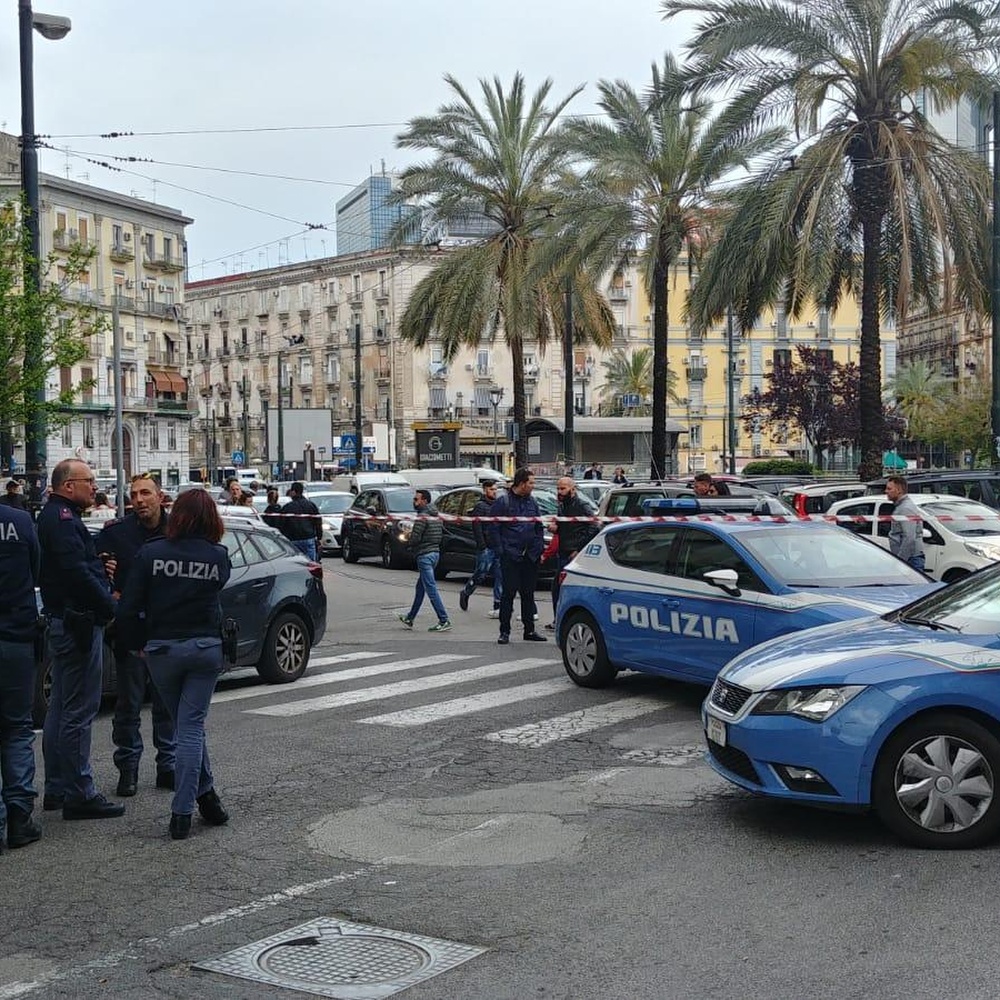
(984, 550)
(816, 704)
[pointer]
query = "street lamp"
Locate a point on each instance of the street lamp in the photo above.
(53, 27)
(496, 394)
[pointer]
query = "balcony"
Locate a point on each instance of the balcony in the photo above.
(224, 422)
(205, 390)
(263, 391)
(696, 371)
(225, 390)
(242, 350)
(583, 371)
(618, 293)
(204, 353)
(83, 294)
(355, 298)
(167, 309)
(382, 296)
(696, 410)
(160, 356)
(222, 352)
(173, 405)
(531, 372)
(170, 262)
(69, 239)
(121, 253)
(383, 373)
(484, 371)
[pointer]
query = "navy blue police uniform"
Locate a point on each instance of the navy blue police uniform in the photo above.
(19, 561)
(170, 609)
(121, 540)
(519, 545)
(76, 596)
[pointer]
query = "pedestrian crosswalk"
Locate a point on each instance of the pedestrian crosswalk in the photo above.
(529, 687)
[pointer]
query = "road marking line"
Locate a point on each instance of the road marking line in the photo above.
(392, 690)
(466, 706)
(337, 676)
(564, 727)
(326, 661)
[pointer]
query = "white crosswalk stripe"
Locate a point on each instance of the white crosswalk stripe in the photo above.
(341, 676)
(397, 688)
(466, 706)
(562, 727)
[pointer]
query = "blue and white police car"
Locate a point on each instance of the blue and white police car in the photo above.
(900, 714)
(681, 597)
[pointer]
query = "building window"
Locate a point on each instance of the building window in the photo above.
(381, 283)
(88, 432)
(172, 436)
(168, 246)
(150, 240)
(67, 435)
(305, 369)
(694, 436)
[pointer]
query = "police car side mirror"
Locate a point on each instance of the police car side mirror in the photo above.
(724, 579)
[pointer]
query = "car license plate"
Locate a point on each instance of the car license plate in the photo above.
(715, 730)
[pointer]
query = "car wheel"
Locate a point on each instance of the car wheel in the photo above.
(286, 650)
(935, 782)
(584, 653)
(347, 552)
(954, 574)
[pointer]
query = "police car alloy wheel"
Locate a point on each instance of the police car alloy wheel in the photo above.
(585, 656)
(935, 782)
(347, 552)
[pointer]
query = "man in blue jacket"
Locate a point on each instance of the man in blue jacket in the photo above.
(519, 545)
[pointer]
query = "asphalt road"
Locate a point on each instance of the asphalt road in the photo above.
(442, 786)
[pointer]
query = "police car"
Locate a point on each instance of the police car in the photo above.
(680, 598)
(900, 714)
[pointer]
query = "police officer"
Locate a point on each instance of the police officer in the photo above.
(170, 609)
(19, 557)
(118, 544)
(77, 598)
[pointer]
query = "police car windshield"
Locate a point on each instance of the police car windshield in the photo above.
(818, 555)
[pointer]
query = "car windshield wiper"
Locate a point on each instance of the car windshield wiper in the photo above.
(927, 622)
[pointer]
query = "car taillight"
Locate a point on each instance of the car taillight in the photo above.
(800, 504)
(315, 570)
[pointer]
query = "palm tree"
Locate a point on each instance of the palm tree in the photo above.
(872, 199)
(643, 196)
(920, 395)
(498, 162)
(632, 375)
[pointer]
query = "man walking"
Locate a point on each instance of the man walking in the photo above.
(118, 544)
(13, 496)
(425, 544)
(77, 598)
(487, 563)
(519, 545)
(572, 535)
(305, 528)
(19, 556)
(906, 538)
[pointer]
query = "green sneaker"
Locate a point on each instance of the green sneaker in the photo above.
(440, 627)
(408, 622)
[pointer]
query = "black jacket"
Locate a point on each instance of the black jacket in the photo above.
(72, 575)
(297, 529)
(479, 528)
(173, 592)
(573, 535)
(15, 500)
(19, 559)
(122, 538)
(270, 509)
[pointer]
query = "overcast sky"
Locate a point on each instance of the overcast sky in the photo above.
(274, 68)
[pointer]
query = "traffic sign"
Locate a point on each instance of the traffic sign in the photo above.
(630, 400)
(239, 458)
(348, 442)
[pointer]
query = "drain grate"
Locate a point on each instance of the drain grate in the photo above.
(342, 960)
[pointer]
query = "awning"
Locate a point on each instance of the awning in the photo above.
(162, 381)
(893, 460)
(178, 382)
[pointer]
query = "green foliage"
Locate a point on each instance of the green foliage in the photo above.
(779, 467)
(631, 375)
(964, 424)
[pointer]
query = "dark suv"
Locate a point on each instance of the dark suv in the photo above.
(376, 524)
(976, 484)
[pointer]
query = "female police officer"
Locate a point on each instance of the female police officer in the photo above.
(170, 608)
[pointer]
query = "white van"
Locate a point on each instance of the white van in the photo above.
(452, 478)
(360, 481)
(247, 476)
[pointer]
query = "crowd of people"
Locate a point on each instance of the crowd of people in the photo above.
(148, 585)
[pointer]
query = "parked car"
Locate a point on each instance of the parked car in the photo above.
(775, 484)
(818, 498)
(681, 598)
(332, 507)
(975, 484)
(900, 714)
(960, 536)
(627, 501)
(376, 524)
(274, 593)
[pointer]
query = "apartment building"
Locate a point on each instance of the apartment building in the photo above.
(138, 259)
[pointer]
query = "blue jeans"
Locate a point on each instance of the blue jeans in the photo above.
(917, 562)
(487, 564)
(73, 706)
(307, 546)
(426, 584)
(185, 672)
(17, 740)
(131, 676)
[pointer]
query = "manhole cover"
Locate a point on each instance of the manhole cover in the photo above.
(342, 960)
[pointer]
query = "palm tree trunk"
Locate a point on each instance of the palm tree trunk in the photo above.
(521, 444)
(870, 395)
(658, 444)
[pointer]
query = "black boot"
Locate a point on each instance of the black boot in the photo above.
(21, 828)
(211, 808)
(180, 826)
(128, 781)
(166, 780)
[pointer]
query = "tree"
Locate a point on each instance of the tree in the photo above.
(920, 395)
(65, 328)
(498, 162)
(632, 375)
(643, 196)
(964, 424)
(865, 196)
